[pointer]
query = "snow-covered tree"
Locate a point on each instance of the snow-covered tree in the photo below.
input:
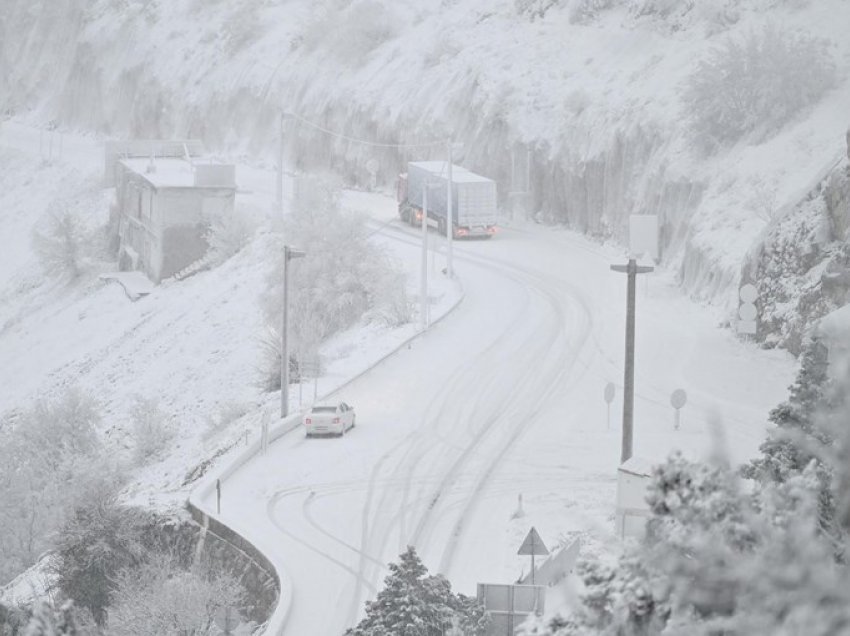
(161, 597)
(100, 540)
(799, 435)
(60, 244)
(723, 556)
(414, 603)
(47, 621)
(51, 460)
(756, 84)
(342, 279)
(151, 432)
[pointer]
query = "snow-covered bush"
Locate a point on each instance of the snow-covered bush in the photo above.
(151, 432)
(536, 8)
(581, 11)
(227, 414)
(47, 620)
(359, 27)
(99, 541)
(161, 597)
(754, 85)
(60, 244)
(229, 233)
(657, 8)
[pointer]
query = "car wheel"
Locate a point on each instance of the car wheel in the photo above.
(353, 421)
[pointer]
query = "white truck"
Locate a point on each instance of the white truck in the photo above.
(474, 212)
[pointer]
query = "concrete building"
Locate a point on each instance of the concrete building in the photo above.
(166, 197)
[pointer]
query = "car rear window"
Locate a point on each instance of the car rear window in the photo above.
(324, 409)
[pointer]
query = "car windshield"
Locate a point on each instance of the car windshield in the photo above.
(324, 409)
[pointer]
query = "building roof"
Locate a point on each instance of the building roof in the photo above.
(459, 173)
(170, 172)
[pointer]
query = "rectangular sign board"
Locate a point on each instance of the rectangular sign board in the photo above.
(509, 605)
(643, 235)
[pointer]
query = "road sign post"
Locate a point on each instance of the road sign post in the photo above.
(533, 545)
(677, 400)
(610, 391)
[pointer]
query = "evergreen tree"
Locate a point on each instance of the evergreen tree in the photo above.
(414, 603)
(799, 435)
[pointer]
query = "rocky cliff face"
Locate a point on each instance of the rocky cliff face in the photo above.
(581, 124)
(802, 266)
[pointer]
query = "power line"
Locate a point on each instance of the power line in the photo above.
(364, 142)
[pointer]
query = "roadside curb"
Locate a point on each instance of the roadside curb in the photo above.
(195, 502)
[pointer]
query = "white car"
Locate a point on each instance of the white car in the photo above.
(329, 419)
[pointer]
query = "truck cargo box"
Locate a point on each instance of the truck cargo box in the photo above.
(473, 196)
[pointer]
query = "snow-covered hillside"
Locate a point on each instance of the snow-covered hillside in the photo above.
(590, 94)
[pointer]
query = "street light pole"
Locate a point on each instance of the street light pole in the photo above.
(449, 214)
(288, 254)
(280, 160)
(632, 269)
(423, 289)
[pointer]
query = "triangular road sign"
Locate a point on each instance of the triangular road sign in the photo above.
(533, 544)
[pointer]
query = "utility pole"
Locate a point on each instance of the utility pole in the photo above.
(450, 216)
(288, 255)
(423, 289)
(632, 269)
(280, 156)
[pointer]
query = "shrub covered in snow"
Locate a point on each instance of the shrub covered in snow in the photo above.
(59, 244)
(755, 84)
(229, 233)
(161, 597)
(228, 413)
(359, 27)
(151, 432)
(93, 547)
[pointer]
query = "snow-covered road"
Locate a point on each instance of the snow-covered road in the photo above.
(502, 398)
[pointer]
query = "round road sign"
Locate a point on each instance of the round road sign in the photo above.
(610, 390)
(748, 293)
(678, 399)
(747, 311)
